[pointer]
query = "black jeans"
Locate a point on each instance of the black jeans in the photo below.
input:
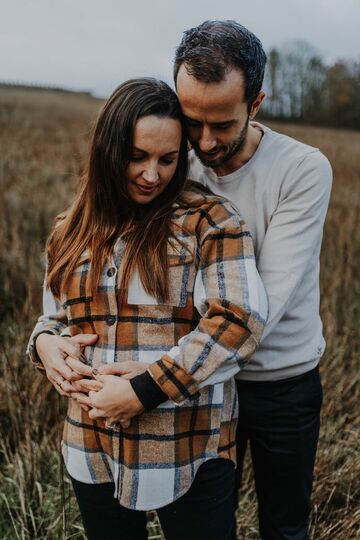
(281, 421)
(205, 512)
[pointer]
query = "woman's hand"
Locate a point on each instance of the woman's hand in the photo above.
(127, 370)
(116, 400)
(53, 350)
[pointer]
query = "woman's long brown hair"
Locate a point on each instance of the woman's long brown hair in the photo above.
(103, 210)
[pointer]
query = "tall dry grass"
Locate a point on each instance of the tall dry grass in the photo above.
(42, 136)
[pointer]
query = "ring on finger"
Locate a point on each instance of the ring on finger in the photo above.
(61, 384)
(112, 425)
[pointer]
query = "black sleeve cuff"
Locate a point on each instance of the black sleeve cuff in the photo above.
(148, 392)
(34, 343)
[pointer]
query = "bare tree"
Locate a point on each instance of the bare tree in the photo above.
(301, 87)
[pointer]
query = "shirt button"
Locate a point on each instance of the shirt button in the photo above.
(111, 271)
(110, 320)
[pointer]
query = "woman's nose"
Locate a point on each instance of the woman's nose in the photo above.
(150, 174)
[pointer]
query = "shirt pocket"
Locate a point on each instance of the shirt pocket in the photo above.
(77, 296)
(181, 276)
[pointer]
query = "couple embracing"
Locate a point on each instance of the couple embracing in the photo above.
(181, 304)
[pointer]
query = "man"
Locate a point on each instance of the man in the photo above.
(281, 188)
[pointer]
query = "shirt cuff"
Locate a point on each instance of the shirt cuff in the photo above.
(32, 352)
(148, 392)
(177, 383)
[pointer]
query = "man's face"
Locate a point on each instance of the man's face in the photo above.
(217, 116)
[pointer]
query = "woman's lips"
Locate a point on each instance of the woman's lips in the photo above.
(146, 189)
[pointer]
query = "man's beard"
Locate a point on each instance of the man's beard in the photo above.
(229, 151)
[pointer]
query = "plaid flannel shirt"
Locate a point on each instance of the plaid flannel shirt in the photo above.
(194, 344)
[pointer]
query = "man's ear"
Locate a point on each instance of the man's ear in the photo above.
(257, 104)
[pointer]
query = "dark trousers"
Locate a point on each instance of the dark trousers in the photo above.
(205, 512)
(281, 422)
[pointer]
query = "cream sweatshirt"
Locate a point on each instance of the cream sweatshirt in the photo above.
(282, 193)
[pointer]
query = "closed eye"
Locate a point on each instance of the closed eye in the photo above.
(167, 160)
(193, 123)
(216, 125)
(223, 125)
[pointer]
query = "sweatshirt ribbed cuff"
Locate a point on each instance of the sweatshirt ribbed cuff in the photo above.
(32, 351)
(148, 392)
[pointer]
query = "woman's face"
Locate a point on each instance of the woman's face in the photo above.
(154, 157)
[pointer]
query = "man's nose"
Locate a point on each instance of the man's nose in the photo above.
(207, 140)
(150, 173)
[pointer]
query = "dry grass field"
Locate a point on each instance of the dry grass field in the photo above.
(42, 138)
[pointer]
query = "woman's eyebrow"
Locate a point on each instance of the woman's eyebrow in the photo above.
(136, 149)
(171, 152)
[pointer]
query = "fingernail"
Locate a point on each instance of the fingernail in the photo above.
(95, 371)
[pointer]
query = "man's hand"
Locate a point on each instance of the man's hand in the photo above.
(53, 350)
(116, 400)
(127, 370)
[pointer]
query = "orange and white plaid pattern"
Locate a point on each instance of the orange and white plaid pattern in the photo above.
(194, 345)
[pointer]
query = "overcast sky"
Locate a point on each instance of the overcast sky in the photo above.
(96, 44)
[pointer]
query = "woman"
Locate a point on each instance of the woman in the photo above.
(159, 284)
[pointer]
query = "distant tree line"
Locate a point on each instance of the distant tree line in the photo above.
(301, 87)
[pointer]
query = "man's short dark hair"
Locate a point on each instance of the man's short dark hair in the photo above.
(211, 49)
